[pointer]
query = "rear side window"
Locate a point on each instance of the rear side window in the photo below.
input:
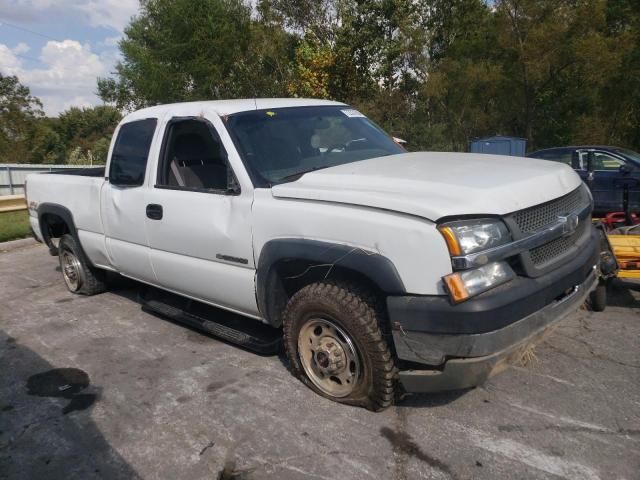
(562, 156)
(130, 153)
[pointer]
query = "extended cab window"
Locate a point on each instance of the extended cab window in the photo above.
(130, 153)
(193, 157)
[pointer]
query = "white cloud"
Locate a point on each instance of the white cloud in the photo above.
(67, 72)
(114, 14)
(111, 41)
(10, 64)
(68, 78)
(21, 48)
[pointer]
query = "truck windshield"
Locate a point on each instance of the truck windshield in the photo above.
(282, 144)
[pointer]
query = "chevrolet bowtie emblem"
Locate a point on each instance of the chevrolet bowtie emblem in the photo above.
(569, 223)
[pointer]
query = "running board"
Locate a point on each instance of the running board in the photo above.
(245, 332)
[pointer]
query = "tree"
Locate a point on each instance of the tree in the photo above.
(19, 111)
(436, 72)
(180, 50)
(87, 130)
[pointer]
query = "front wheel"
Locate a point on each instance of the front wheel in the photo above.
(335, 345)
(77, 274)
(598, 298)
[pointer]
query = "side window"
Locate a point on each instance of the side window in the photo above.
(604, 161)
(193, 158)
(130, 153)
(561, 156)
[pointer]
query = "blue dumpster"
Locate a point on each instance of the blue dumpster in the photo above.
(499, 146)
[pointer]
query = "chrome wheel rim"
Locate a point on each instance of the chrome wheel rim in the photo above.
(329, 357)
(71, 270)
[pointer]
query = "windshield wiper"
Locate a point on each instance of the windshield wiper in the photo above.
(295, 176)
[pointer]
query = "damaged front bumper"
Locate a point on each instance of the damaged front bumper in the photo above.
(447, 348)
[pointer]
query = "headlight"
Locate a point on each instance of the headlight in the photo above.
(469, 236)
(468, 283)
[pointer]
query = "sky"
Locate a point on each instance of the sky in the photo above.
(59, 47)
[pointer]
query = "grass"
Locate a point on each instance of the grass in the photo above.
(14, 225)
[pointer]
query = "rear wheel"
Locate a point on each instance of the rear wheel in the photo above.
(335, 345)
(77, 274)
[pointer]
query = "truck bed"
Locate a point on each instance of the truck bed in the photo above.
(82, 172)
(78, 193)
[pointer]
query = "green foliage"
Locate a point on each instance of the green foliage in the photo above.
(313, 64)
(19, 112)
(78, 135)
(182, 50)
(86, 133)
(14, 225)
(435, 72)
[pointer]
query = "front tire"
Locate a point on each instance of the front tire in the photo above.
(335, 345)
(78, 276)
(598, 298)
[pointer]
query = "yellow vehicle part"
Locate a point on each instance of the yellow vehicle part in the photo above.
(626, 248)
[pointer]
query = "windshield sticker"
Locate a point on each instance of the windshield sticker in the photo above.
(351, 113)
(271, 114)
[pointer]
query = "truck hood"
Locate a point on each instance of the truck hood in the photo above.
(435, 185)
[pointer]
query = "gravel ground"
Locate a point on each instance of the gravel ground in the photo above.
(97, 388)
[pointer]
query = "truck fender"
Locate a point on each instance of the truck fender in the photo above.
(372, 265)
(66, 215)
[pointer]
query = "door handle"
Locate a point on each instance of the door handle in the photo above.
(154, 211)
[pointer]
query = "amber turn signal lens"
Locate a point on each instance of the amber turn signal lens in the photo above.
(457, 291)
(452, 241)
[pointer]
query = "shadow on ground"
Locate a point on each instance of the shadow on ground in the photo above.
(46, 430)
(619, 294)
(131, 290)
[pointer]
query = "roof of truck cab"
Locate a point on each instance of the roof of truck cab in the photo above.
(226, 107)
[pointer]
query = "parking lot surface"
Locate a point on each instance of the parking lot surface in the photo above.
(93, 387)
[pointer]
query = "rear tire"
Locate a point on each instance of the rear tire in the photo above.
(335, 345)
(598, 298)
(78, 276)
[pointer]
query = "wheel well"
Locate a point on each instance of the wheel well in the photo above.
(53, 226)
(287, 277)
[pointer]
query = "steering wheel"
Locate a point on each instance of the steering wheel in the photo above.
(335, 146)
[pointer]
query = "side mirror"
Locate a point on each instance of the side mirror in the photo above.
(233, 187)
(625, 169)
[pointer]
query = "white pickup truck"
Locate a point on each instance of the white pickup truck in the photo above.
(380, 270)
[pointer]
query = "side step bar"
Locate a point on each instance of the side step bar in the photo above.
(233, 328)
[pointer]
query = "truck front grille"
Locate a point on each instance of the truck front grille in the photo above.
(535, 218)
(524, 222)
(556, 248)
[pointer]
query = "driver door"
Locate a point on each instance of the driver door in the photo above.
(198, 220)
(606, 183)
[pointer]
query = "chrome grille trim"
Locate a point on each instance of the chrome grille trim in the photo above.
(537, 217)
(549, 252)
(552, 232)
(528, 242)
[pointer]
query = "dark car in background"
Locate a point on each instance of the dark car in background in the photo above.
(605, 170)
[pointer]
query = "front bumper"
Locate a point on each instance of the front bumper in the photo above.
(450, 348)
